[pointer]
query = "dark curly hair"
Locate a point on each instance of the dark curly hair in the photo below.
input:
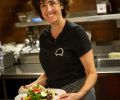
(64, 3)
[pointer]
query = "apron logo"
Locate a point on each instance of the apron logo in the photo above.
(59, 52)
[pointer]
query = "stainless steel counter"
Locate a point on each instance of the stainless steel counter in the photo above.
(21, 71)
(34, 70)
(108, 70)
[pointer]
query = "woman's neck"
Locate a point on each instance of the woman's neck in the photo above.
(57, 28)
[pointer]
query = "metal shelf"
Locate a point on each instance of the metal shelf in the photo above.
(28, 24)
(76, 19)
(95, 18)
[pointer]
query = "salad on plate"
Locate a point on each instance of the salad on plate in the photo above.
(39, 92)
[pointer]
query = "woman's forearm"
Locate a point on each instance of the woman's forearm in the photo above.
(91, 74)
(88, 84)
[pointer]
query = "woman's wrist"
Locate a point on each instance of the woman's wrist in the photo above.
(26, 86)
(79, 95)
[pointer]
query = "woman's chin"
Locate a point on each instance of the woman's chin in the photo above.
(51, 21)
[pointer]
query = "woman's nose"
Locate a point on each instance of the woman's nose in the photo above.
(49, 8)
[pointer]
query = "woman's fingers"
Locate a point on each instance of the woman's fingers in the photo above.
(64, 95)
(22, 90)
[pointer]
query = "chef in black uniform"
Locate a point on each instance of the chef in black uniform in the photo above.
(66, 53)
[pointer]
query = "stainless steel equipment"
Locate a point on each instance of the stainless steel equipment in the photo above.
(30, 58)
(8, 59)
(107, 62)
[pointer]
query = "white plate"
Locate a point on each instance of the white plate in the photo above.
(57, 91)
(20, 96)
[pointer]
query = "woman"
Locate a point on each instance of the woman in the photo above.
(66, 53)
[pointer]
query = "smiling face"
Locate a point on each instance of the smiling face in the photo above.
(51, 10)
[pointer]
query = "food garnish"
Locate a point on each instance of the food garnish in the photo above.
(38, 92)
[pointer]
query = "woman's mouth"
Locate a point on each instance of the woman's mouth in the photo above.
(50, 15)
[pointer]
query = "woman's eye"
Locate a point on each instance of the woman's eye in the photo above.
(52, 3)
(42, 5)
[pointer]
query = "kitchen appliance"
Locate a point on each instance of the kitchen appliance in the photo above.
(30, 58)
(8, 59)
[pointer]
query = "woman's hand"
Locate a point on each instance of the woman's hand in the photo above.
(41, 80)
(22, 89)
(70, 96)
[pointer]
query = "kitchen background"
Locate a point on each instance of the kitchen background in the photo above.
(104, 29)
